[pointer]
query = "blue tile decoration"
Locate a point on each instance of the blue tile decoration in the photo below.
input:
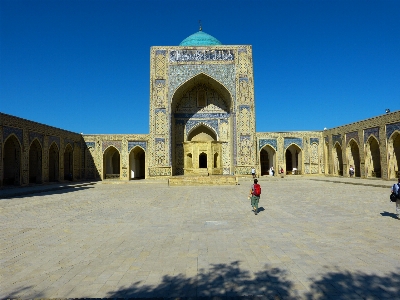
(161, 52)
(162, 110)
(210, 123)
(55, 139)
(115, 144)
(133, 144)
(241, 50)
(202, 116)
(159, 140)
(241, 107)
(314, 140)
(337, 138)
(201, 55)
(90, 144)
(390, 128)
(225, 121)
(352, 135)
(271, 142)
(224, 74)
(160, 81)
(13, 130)
(371, 131)
(243, 79)
(287, 141)
(35, 135)
(68, 141)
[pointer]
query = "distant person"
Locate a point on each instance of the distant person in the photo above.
(255, 193)
(253, 172)
(396, 191)
(271, 171)
(351, 171)
(281, 170)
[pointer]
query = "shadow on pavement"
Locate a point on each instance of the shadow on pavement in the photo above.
(346, 285)
(388, 214)
(43, 190)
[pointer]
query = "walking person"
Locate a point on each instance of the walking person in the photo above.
(255, 193)
(253, 172)
(396, 191)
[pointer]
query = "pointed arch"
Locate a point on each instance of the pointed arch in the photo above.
(12, 161)
(201, 78)
(372, 157)
(137, 163)
(68, 162)
(111, 163)
(202, 132)
(337, 156)
(267, 159)
(54, 164)
(393, 155)
(35, 161)
(293, 159)
(353, 156)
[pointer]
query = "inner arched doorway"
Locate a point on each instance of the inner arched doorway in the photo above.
(203, 161)
(137, 163)
(337, 160)
(372, 158)
(267, 159)
(394, 155)
(353, 157)
(12, 161)
(111, 163)
(68, 163)
(35, 162)
(293, 159)
(54, 169)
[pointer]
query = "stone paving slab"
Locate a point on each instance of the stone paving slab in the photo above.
(312, 239)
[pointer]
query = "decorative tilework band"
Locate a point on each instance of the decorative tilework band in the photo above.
(13, 130)
(390, 128)
(271, 142)
(35, 135)
(133, 144)
(371, 131)
(337, 138)
(352, 135)
(297, 141)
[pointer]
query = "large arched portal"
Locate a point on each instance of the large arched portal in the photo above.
(12, 161)
(137, 163)
(68, 163)
(201, 123)
(54, 165)
(337, 160)
(372, 158)
(111, 163)
(35, 162)
(267, 159)
(353, 157)
(394, 155)
(293, 159)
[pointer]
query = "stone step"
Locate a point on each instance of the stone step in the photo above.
(202, 180)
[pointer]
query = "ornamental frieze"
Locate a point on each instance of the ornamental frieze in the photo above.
(271, 142)
(201, 55)
(371, 131)
(287, 141)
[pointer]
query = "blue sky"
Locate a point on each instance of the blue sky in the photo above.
(84, 65)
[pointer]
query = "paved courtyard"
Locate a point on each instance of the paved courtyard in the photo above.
(314, 238)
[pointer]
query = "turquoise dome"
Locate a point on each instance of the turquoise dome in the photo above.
(200, 38)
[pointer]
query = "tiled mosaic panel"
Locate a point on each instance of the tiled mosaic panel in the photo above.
(12, 130)
(352, 135)
(245, 149)
(161, 121)
(337, 138)
(270, 142)
(54, 139)
(314, 140)
(160, 152)
(116, 144)
(390, 128)
(179, 74)
(188, 103)
(314, 153)
(371, 131)
(287, 141)
(35, 135)
(226, 158)
(133, 144)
